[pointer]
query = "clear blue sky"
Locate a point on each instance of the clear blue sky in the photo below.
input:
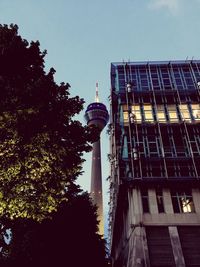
(83, 37)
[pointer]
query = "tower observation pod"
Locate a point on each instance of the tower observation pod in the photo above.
(97, 114)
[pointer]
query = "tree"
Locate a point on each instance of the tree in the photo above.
(41, 145)
(41, 148)
(68, 239)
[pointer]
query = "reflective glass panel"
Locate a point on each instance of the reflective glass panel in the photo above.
(182, 201)
(148, 113)
(185, 114)
(161, 113)
(196, 111)
(137, 113)
(125, 114)
(172, 112)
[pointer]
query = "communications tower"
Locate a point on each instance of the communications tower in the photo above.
(96, 114)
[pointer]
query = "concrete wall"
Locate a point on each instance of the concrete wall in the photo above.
(133, 248)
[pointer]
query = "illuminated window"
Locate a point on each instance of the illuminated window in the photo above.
(125, 115)
(172, 112)
(196, 111)
(161, 113)
(148, 113)
(185, 114)
(137, 113)
(182, 201)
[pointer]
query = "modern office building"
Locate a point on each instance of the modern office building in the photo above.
(155, 164)
(97, 115)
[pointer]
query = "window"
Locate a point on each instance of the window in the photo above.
(180, 143)
(143, 78)
(182, 201)
(179, 84)
(161, 113)
(145, 200)
(160, 203)
(134, 115)
(195, 147)
(124, 147)
(148, 114)
(165, 78)
(153, 149)
(168, 143)
(152, 144)
(185, 114)
(136, 111)
(153, 170)
(155, 78)
(125, 117)
(172, 112)
(194, 137)
(196, 111)
(125, 114)
(187, 76)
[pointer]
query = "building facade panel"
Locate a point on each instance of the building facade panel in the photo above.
(155, 151)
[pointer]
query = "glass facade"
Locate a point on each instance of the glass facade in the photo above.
(155, 141)
(171, 113)
(158, 112)
(158, 75)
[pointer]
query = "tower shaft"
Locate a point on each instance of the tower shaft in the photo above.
(97, 115)
(96, 183)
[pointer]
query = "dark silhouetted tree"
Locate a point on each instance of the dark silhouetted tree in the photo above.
(41, 148)
(69, 239)
(41, 145)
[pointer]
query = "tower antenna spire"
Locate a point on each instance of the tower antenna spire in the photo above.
(97, 92)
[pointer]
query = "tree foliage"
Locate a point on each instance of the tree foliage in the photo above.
(69, 239)
(41, 145)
